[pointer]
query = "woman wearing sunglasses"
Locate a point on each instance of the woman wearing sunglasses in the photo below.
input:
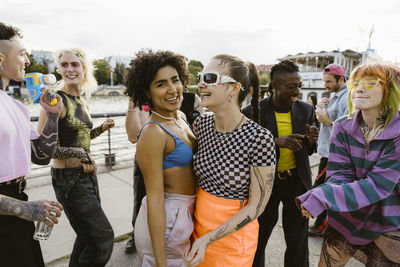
(164, 152)
(235, 164)
(362, 192)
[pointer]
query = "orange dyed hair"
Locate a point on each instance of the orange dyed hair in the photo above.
(390, 88)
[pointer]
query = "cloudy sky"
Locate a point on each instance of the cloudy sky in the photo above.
(257, 30)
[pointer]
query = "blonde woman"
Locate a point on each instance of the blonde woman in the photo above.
(74, 171)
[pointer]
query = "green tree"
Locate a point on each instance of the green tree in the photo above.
(102, 71)
(194, 68)
(120, 72)
(35, 67)
(195, 63)
(264, 78)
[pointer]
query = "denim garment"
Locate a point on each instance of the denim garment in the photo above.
(338, 107)
(78, 192)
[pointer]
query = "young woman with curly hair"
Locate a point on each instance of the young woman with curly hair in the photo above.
(164, 152)
(362, 192)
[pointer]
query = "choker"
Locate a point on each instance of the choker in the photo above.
(177, 122)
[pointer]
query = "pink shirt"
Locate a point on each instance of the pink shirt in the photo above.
(16, 131)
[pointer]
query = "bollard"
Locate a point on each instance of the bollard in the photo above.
(109, 159)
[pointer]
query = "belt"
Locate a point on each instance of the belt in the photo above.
(283, 175)
(18, 184)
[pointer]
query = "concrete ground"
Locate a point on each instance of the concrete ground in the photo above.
(117, 197)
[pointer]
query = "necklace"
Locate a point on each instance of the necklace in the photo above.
(177, 122)
(219, 139)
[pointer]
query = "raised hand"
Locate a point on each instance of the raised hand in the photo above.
(107, 124)
(45, 103)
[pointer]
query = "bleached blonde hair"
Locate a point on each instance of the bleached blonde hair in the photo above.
(89, 83)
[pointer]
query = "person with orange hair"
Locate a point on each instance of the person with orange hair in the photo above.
(362, 192)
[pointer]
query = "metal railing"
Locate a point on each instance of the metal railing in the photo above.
(114, 147)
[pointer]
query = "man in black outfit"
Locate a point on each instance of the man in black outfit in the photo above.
(289, 121)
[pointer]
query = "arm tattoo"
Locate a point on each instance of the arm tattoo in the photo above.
(96, 132)
(219, 234)
(265, 187)
(243, 223)
(32, 211)
(71, 152)
(262, 190)
(43, 147)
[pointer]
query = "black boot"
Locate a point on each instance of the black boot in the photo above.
(130, 246)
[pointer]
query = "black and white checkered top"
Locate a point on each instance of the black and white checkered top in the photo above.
(223, 166)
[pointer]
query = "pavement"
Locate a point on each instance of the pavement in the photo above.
(116, 194)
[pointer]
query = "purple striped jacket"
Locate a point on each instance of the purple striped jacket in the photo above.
(362, 192)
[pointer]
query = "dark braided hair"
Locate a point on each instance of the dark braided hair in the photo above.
(255, 84)
(247, 75)
(286, 66)
(7, 32)
(143, 69)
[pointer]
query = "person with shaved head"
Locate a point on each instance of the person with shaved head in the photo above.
(21, 144)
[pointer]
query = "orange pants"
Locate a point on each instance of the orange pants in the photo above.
(235, 249)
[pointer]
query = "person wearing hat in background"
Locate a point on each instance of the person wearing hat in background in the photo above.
(328, 110)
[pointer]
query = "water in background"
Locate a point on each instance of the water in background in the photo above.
(123, 149)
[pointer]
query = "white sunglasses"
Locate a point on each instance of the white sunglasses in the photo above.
(214, 78)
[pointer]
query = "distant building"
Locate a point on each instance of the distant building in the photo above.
(113, 60)
(45, 58)
(311, 65)
(264, 68)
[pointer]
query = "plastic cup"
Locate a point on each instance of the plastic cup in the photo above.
(42, 231)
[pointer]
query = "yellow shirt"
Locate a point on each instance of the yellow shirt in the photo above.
(287, 160)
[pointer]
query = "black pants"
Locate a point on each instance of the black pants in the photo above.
(139, 192)
(321, 180)
(295, 226)
(17, 246)
(78, 192)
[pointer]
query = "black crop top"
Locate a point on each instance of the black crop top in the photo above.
(74, 128)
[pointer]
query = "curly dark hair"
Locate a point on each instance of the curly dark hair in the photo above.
(286, 66)
(7, 31)
(143, 69)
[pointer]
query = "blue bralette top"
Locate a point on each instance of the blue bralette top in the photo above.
(181, 156)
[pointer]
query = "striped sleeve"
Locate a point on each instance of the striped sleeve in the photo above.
(343, 192)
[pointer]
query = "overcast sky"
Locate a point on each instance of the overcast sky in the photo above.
(257, 30)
